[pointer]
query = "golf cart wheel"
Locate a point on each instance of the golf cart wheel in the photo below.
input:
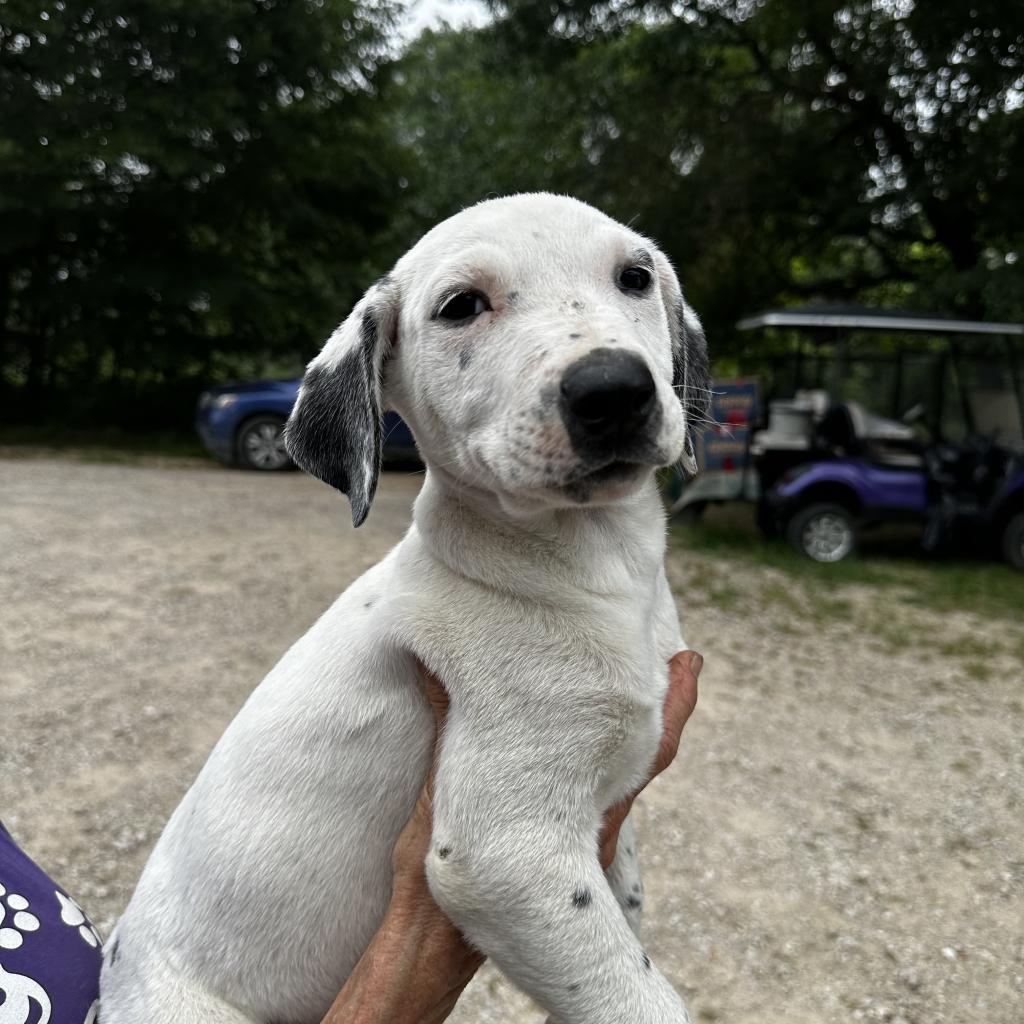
(261, 444)
(824, 533)
(1013, 541)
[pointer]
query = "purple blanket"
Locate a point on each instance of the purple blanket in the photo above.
(49, 951)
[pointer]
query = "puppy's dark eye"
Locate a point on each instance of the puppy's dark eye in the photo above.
(464, 306)
(634, 279)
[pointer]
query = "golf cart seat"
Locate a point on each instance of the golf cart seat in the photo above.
(850, 431)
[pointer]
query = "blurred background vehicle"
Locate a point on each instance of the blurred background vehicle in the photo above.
(243, 424)
(822, 469)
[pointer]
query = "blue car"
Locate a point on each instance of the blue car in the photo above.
(243, 424)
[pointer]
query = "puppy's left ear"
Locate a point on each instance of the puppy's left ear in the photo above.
(334, 431)
(691, 370)
(691, 376)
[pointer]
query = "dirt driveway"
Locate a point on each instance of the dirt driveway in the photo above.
(842, 837)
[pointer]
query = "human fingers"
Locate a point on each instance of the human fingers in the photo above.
(680, 700)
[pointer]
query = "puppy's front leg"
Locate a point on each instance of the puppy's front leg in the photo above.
(514, 863)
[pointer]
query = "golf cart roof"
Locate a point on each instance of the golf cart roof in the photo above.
(864, 317)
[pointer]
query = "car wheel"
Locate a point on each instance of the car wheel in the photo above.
(825, 533)
(1013, 541)
(261, 444)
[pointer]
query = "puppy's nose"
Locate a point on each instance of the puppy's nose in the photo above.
(607, 395)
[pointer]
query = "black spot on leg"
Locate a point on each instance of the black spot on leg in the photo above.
(646, 961)
(465, 357)
(575, 337)
(443, 852)
(633, 903)
(512, 296)
(581, 898)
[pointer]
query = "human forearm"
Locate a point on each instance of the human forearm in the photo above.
(412, 972)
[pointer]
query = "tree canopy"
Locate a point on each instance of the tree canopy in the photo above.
(184, 185)
(191, 189)
(779, 151)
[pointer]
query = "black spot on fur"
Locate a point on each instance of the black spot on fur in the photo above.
(576, 304)
(443, 852)
(114, 950)
(646, 961)
(574, 987)
(633, 903)
(637, 887)
(512, 296)
(575, 337)
(612, 341)
(465, 358)
(581, 898)
(369, 604)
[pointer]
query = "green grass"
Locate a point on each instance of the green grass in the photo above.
(888, 559)
(100, 445)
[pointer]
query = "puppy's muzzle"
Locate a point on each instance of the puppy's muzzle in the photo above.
(608, 404)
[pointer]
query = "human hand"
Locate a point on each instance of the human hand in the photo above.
(418, 963)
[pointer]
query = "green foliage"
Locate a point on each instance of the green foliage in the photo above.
(779, 151)
(191, 189)
(182, 183)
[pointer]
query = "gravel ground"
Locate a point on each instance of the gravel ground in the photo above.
(840, 839)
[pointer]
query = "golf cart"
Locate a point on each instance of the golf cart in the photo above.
(950, 457)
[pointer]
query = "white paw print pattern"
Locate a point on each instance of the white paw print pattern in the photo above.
(73, 915)
(22, 921)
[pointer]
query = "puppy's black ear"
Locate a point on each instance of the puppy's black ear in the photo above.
(334, 431)
(691, 375)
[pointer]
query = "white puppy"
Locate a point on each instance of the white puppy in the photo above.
(546, 362)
